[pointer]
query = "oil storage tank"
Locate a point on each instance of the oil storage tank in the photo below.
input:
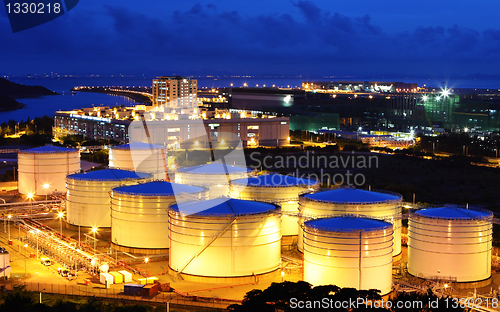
(42, 170)
(349, 200)
(281, 189)
(450, 242)
(87, 199)
(215, 176)
(139, 217)
(348, 251)
(224, 238)
(140, 156)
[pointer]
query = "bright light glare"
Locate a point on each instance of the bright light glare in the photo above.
(445, 92)
(60, 214)
(94, 229)
(30, 195)
(425, 98)
(46, 186)
(146, 259)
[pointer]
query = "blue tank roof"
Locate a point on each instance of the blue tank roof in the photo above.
(454, 213)
(108, 175)
(213, 168)
(49, 149)
(347, 224)
(275, 180)
(157, 188)
(352, 195)
(137, 145)
(223, 207)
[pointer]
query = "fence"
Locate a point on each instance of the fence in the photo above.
(112, 293)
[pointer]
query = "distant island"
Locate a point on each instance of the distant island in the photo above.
(10, 91)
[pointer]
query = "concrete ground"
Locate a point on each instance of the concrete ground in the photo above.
(158, 267)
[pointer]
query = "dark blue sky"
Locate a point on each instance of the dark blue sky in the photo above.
(261, 37)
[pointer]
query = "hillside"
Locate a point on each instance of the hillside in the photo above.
(11, 90)
(8, 103)
(17, 90)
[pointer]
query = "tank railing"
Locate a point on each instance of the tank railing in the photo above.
(488, 217)
(270, 200)
(301, 185)
(204, 247)
(108, 180)
(330, 229)
(387, 201)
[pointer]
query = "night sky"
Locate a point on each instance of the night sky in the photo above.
(261, 37)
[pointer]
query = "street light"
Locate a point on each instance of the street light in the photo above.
(37, 234)
(146, 260)
(25, 257)
(94, 230)
(282, 275)
(60, 215)
(46, 186)
(9, 216)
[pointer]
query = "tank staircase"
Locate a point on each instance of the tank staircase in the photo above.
(204, 247)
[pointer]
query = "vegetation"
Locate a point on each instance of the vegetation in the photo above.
(21, 300)
(278, 297)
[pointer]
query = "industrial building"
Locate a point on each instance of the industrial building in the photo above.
(348, 200)
(224, 238)
(139, 214)
(141, 157)
(42, 170)
(450, 243)
(348, 252)
(87, 198)
(279, 189)
(215, 177)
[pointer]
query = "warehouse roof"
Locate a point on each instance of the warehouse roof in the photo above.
(49, 149)
(454, 213)
(108, 175)
(223, 207)
(276, 180)
(347, 224)
(157, 188)
(353, 196)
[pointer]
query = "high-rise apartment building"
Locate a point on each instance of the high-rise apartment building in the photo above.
(175, 91)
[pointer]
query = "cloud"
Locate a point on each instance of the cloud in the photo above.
(117, 38)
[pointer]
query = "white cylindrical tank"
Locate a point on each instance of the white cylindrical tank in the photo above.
(451, 242)
(348, 200)
(214, 176)
(141, 157)
(348, 252)
(224, 238)
(42, 170)
(281, 189)
(87, 198)
(139, 217)
(5, 268)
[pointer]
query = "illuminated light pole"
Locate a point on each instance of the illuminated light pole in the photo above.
(94, 230)
(60, 215)
(37, 232)
(146, 260)
(9, 216)
(46, 186)
(282, 276)
(25, 257)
